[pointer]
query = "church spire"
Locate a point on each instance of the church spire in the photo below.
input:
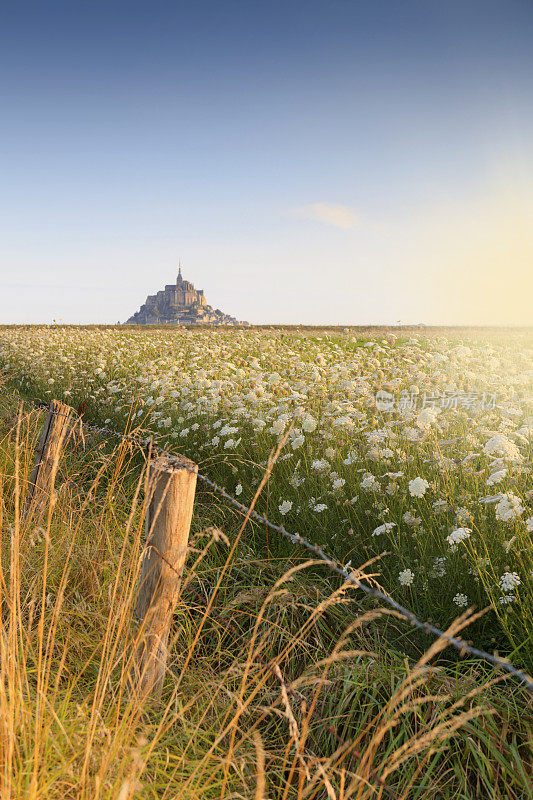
(180, 278)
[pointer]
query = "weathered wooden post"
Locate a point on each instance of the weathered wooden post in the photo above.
(44, 472)
(171, 490)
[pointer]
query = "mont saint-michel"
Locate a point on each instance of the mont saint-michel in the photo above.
(180, 304)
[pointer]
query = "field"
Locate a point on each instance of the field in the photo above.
(408, 452)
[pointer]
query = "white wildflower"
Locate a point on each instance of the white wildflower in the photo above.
(418, 486)
(412, 435)
(369, 482)
(463, 515)
(309, 424)
(503, 447)
(510, 507)
(278, 426)
(496, 477)
(427, 418)
(227, 430)
(285, 507)
(509, 581)
(296, 480)
(461, 600)
(506, 599)
(385, 528)
(406, 577)
(458, 535)
(439, 568)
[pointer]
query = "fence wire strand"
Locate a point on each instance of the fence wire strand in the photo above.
(295, 538)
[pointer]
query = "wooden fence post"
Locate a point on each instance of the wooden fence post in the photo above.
(44, 472)
(168, 520)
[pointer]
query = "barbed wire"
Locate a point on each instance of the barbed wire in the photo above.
(295, 538)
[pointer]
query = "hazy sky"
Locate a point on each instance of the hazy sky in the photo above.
(323, 162)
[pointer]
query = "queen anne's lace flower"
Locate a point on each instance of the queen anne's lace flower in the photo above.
(506, 599)
(278, 426)
(460, 600)
(510, 507)
(406, 577)
(369, 482)
(496, 477)
(385, 528)
(417, 487)
(309, 424)
(509, 581)
(503, 447)
(427, 418)
(458, 535)
(439, 568)
(463, 515)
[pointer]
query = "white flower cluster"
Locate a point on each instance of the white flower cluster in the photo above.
(406, 577)
(461, 600)
(369, 483)
(509, 581)
(509, 508)
(385, 528)
(285, 507)
(418, 486)
(501, 446)
(497, 477)
(458, 535)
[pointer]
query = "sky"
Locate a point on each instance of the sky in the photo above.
(308, 161)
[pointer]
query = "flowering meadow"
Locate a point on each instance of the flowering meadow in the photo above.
(414, 450)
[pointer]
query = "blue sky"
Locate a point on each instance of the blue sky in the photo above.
(321, 162)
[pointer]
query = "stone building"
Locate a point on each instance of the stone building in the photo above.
(180, 304)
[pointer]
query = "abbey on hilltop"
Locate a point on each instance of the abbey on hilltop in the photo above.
(180, 304)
